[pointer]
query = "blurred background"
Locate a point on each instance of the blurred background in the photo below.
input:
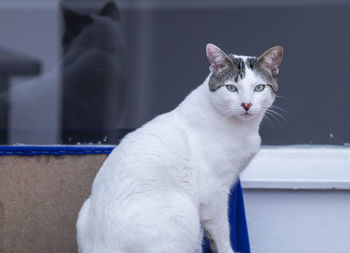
(90, 71)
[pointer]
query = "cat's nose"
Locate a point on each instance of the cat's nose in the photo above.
(246, 106)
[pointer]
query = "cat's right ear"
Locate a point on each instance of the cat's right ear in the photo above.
(110, 10)
(218, 60)
(271, 60)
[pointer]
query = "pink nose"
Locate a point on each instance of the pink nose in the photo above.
(246, 106)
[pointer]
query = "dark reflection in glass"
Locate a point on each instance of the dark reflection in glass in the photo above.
(94, 83)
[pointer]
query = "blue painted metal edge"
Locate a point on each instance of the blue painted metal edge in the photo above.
(54, 150)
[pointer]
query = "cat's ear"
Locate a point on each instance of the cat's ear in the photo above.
(271, 59)
(218, 60)
(110, 10)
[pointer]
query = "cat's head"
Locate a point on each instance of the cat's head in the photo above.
(243, 87)
(91, 31)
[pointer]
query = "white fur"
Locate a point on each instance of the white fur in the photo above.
(171, 177)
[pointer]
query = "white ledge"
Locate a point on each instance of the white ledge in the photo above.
(299, 167)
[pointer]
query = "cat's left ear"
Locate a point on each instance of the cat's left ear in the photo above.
(271, 59)
(218, 60)
(110, 10)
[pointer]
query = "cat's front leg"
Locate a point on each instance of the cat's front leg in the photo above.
(216, 225)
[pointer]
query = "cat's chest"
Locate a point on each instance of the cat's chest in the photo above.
(225, 157)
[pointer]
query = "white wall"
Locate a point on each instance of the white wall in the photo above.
(298, 221)
(297, 199)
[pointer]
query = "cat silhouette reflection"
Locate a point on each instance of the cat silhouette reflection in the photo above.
(90, 77)
(94, 82)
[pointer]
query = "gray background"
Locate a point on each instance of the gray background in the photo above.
(165, 48)
(313, 76)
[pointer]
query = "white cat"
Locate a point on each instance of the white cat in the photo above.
(170, 178)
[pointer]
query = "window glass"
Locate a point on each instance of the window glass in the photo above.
(90, 71)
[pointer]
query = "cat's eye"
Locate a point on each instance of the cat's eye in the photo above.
(231, 87)
(259, 87)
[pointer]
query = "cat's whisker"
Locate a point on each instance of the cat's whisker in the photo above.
(268, 120)
(282, 97)
(279, 108)
(272, 115)
(271, 111)
(277, 114)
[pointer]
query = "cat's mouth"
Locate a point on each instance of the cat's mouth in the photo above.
(247, 115)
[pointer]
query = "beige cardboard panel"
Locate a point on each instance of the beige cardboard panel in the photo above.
(40, 197)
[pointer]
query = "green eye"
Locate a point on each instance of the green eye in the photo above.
(231, 87)
(259, 87)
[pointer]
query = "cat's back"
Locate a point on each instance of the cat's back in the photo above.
(155, 155)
